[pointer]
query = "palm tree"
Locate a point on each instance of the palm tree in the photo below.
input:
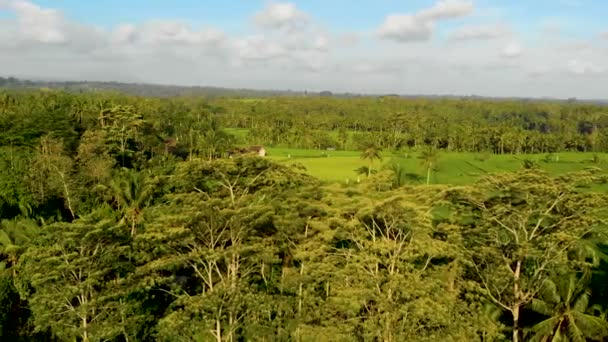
(131, 193)
(429, 159)
(401, 177)
(105, 109)
(215, 142)
(398, 174)
(371, 152)
(565, 302)
(14, 236)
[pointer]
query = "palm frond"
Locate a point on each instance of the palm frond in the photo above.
(590, 326)
(5, 240)
(582, 301)
(549, 292)
(573, 331)
(544, 329)
(540, 307)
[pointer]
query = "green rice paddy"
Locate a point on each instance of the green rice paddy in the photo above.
(453, 168)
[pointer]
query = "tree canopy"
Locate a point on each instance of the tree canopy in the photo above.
(127, 218)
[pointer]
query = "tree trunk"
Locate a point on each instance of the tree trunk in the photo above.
(85, 335)
(300, 290)
(231, 325)
(133, 229)
(516, 306)
(67, 195)
(218, 331)
(191, 148)
(516, 323)
(428, 175)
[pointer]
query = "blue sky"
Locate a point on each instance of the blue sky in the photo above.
(553, 48)
(340, 14)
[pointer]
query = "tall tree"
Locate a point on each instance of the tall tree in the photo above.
(131, 191)
(520, 227)
(371, 152)
(122, 125)
(71, 279)
(52, 174)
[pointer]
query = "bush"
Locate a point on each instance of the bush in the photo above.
(529, 164)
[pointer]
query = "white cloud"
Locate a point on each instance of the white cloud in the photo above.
(405, 28)
(447, 9)
(583, 67)
(287, 31)
(512, 50)
(309, 63)
(349, 39)
(160, 32)
(575, 45)
(303, 41)
(259, 48)
(38, 24)
(321, 43)
(480, 32)
(604, 35)
(377, 67)
(43, 43)
(538, 72)
(420, 26)
(124, 34)
(280, 16)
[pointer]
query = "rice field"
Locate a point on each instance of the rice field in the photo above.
(452, 168)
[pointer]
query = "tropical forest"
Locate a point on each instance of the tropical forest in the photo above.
(303, 217)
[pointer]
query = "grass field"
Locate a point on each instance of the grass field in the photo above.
(453, 168)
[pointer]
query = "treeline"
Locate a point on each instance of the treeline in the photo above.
(394, 123)
(141, 89)
(123, 220)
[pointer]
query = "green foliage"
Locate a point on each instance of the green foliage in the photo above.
(520, 227)
(72, 280)
(371, 152)
(564, 302)
(141, 229)
(122, 126)
(429, 159)
(15, 197)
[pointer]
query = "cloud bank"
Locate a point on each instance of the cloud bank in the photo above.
(447, 47)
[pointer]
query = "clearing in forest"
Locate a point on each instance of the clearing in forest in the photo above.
(451, 167)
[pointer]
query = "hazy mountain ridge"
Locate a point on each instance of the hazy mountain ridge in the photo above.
(166, 90)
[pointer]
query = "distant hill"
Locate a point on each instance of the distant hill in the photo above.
(158, 90)
(140, 89)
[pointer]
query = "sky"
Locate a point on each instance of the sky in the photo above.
(529, 48)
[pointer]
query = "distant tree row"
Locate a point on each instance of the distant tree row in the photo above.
(323, 122)
(394, 123)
